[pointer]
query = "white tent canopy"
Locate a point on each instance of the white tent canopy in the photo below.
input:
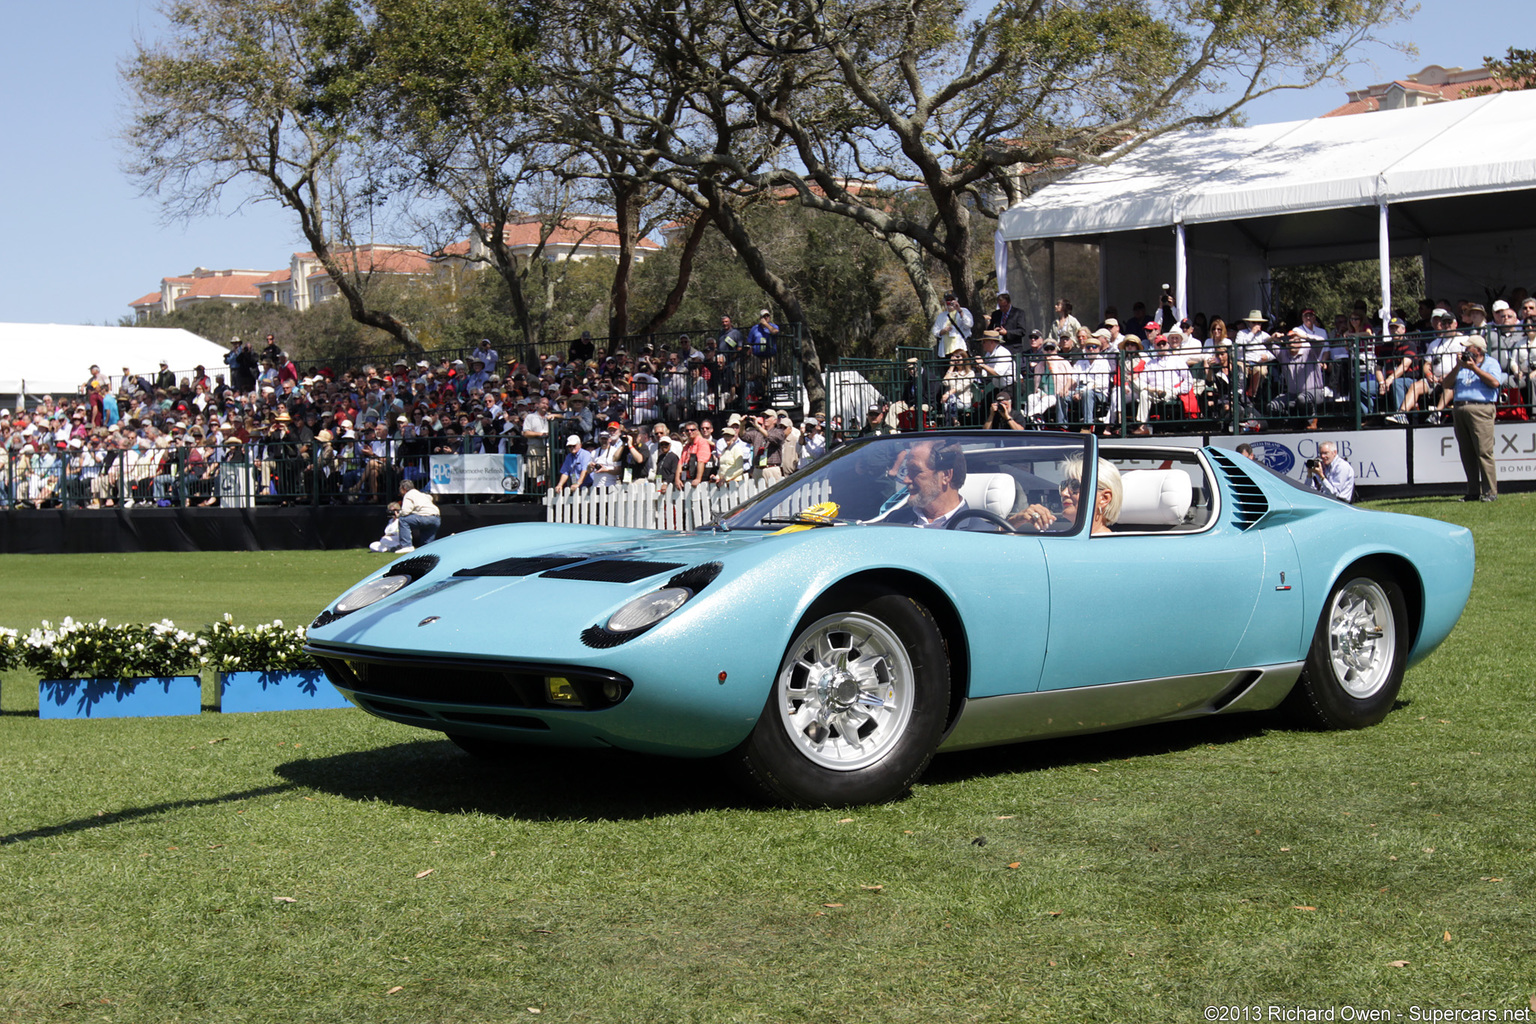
(1305, 191)
(1202, 176)
(57, 358)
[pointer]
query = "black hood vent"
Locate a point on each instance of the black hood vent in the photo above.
(612, 570)
(522, 566)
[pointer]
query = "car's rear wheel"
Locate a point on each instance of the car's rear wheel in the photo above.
(1355, 667)
(857, 707)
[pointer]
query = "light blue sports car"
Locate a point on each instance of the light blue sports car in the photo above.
(906, 595)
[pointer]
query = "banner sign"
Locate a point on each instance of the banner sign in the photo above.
(1380, 457)
(477, 474)
(1437, 459)
(235, 485)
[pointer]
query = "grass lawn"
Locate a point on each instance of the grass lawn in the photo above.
(326, 866)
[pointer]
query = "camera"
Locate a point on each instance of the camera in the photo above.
(1314, 464)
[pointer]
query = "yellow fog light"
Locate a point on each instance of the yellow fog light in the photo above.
(558, 690)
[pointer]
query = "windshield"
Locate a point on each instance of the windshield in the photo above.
(975, 481)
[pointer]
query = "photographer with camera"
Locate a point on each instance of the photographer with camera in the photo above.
(1477, 382)
(1003, 416)
(1330, 474)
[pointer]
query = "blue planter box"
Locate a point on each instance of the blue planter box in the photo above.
(138, 697)
(286, 690)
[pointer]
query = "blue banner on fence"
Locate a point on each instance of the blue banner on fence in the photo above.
(477, 474)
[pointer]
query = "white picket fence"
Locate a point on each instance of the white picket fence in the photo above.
(639, 506)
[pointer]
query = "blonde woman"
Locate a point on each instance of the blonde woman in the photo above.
(1106, 500)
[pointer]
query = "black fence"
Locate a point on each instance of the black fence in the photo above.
(262, 472)
(1351, 383)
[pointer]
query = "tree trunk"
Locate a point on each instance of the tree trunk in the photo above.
(779, 290)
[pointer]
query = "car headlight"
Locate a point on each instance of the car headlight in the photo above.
(372, 592)
(648, 609)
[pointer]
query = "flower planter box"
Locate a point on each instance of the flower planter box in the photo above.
(137, 697)
(285, 690)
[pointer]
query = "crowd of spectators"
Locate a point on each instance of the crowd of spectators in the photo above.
(1162, 371)
(354, 435)
(690, 414)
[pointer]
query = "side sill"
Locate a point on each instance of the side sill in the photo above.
(989, 721)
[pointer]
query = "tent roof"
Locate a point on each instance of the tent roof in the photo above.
(1460, 148)
(56, 358)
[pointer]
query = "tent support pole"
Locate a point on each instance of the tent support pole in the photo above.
(1385, 243)
(1180, 271)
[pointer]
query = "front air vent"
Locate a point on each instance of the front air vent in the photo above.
(415, 568)
(1249, 504)
(522, 566)
(612, 570)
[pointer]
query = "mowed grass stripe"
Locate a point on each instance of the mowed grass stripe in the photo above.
(257, 867)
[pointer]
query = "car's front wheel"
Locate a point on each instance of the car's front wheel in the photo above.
(1355, 666)
(857, 707)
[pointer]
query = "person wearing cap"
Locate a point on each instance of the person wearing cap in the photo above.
(735, 457)
(573, 469)
(1094, 375)
(1311, 326)
(165, 380)
(478, 374)
(488, 355)
(1475, 389)
(1507, 343)
(876, 422)
(994, 363)
(760, 339)
(813, 440)
(1442, 358)
(608, 459)
(952, 327)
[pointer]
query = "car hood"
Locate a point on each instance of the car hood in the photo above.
(529, 591)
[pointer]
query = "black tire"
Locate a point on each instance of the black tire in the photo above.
(830, 736)
(1355, 666)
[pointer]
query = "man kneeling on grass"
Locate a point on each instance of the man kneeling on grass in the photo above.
(419, 517)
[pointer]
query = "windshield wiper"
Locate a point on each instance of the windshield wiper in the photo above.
(716, 526)
(799, 519)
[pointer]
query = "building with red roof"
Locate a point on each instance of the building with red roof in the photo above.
(1434, 84)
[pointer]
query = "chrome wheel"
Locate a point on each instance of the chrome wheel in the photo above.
(1362, 639)
(846, 692)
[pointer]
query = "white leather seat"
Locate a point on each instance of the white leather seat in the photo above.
(994, 492)
(1154, 497)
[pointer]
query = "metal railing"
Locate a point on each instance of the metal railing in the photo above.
(1350, 383)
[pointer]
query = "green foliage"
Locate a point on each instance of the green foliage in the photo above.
(269, 646)
(1515, 70)
(95, 650)
(1332, 288)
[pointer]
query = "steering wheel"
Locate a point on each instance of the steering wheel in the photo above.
(979, 513)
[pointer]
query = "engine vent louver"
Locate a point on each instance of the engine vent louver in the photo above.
(415, 568)
(613, 570)
(521, 566)
(1248, 502)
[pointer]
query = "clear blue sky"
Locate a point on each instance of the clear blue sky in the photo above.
(80, 243)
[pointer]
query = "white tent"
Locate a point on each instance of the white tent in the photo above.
(57, 358)
(1436, 181)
